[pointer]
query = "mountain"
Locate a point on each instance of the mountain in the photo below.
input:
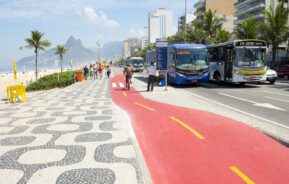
(77, 53)
(110, 50)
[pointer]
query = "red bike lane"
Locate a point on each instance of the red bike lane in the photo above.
(182, 145)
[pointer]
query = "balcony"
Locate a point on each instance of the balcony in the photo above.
(243, 3)
(200, 4)
(250, 9)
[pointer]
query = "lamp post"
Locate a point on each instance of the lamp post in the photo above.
(185, 21)
(98, 52)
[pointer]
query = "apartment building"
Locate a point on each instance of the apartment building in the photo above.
(252, 8)
(160, 24)
(129, 46)
(223, 8)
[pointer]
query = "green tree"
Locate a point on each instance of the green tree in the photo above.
(222, 36)
(142, 52)
(275, 30)
(210, 24)
(61, 50)
(37, 44)
(249, 29)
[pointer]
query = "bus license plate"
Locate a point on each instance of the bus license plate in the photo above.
(193, 81)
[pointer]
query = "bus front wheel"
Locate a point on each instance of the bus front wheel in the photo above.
(217, 77)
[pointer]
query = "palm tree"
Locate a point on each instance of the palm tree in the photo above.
(61, 50)
(275, 30)
(210, 24)
(37, 44)
(249, 29)
(222, 36)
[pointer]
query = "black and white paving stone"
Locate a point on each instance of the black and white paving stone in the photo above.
(71, 135)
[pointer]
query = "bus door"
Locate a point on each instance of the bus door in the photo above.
(228, 64)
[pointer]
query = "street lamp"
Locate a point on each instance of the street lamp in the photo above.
(98, 45)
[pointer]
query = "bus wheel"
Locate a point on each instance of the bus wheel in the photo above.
(217, 77)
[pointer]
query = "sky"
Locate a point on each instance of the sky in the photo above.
(88, 20)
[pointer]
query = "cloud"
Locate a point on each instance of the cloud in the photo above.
(99, 18)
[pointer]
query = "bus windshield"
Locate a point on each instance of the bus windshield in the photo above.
(192, 59)
(138, 62)
(250, 58)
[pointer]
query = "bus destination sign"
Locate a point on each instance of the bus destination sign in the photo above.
(251, 43)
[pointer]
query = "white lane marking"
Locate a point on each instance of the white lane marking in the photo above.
(121, 85)
(266, 105)
(238, 98)
(277, 99)
(243, 112)
(114, 85)
(275, 93)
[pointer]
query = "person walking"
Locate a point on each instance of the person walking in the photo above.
(151, 71)
(91, 71)
(85, 72)
(108, 71)
(94, 72)
(100, 70)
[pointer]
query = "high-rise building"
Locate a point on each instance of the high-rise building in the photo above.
(160, 24)
(223, 8)
(189, 18)
(252, 8)
(129, 46)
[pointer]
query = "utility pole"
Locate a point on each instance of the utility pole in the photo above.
(185, 21)
(98, 52)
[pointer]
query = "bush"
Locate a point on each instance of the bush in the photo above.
(51, 81)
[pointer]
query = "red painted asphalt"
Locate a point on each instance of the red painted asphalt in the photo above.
(200, 147)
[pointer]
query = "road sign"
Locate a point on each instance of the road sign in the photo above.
(161, 42)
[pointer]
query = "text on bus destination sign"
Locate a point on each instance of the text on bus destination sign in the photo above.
(250, 43)
(183, 52)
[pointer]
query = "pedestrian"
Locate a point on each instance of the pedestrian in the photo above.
(85, 72)
(108, 71)
(94, 72)
(100, 70)
(91, 71)
(151, 71)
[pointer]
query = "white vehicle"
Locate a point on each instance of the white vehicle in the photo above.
(137, 64)
(239, 61)
(271, 76)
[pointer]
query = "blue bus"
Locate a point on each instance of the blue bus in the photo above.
(188, 63)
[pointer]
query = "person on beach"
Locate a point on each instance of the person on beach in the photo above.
(151, 71)
(85, 72)
(100, 70)
(108, 71)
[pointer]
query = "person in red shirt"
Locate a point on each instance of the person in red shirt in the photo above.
(100, 70)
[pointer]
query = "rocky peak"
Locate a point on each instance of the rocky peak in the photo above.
(73, 43)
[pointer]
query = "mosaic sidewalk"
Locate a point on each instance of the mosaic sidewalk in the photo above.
(71, 135)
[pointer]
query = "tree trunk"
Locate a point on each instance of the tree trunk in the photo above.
(36, 65)
(274, 50)
(61, 62)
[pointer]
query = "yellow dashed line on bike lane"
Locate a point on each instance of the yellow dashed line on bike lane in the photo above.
(245, 178)
(146, 107)
(197, 134)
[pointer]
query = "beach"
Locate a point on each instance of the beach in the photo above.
(8, 79)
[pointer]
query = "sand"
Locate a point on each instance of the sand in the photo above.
(8, 79)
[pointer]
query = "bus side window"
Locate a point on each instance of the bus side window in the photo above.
(172, 59)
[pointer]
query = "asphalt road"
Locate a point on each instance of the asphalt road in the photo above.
(270, 102)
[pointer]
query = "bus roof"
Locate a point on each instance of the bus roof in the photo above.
(135, 58)
(187, 46)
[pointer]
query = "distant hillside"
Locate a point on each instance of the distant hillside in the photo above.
(110, 50)
(77, 53)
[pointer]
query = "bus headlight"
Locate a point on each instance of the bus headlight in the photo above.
(236, 71)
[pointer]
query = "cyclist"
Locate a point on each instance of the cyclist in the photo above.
(128, 75)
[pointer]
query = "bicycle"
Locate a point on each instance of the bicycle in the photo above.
(127, 82)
